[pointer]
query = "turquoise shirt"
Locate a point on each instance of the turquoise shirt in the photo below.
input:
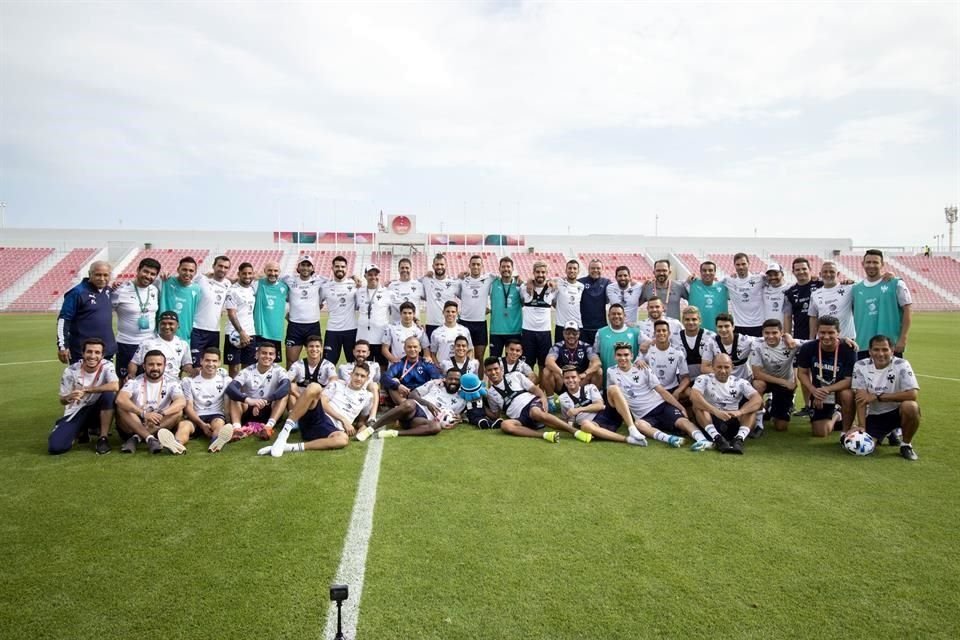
(174, 296)
(710, 299)
(877, 311)
(269, 309)
(607, 338)
(505, 309)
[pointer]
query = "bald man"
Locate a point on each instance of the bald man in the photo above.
(86, 313)
(269, 308)
(725, 405)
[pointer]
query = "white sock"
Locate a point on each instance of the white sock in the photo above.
(632, 430)
(294, 448)
(698, 435)
(712, 430)
(760, 418)
(271, 423)
(289, 425)
(660, 435)
(743, 432)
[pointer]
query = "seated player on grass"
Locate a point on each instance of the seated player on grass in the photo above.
(420, 413)
(361, 353)
(886, 395)
(259, 393)
(460, 358)
(645, 405)
(571, 351)
(409, 373)
(771, 360)
(524, 405)
(326, 417)
(725, 405)
(313, 368)
(513, 361)
(206, 396)
(583, 407)
(88, 389)
(825, 369)
(148, 403)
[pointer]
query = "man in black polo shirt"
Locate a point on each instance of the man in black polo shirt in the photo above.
(593, 303)
(796, 321)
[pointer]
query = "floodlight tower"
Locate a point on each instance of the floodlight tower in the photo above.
(950, 213)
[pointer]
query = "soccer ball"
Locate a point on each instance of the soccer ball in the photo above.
(859, 443)
(234, 338)
(446, 418)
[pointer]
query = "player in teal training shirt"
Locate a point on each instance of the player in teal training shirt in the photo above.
(181, 294)
(270, 306)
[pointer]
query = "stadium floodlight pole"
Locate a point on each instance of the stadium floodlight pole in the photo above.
(950, 213)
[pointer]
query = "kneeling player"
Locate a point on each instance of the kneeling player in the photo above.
(260, 391)
(419, 414)
(886, 395)
(825, 368)
(325, 417)
(206, 394)
(87, 391)
(524, 405)
(717, 397)
(645, 405)
(148, 403)
(583, 407)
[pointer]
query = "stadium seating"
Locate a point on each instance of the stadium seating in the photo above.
(257, 257)
(168, 259)
(384, 260)
(640, 267)
(724, 263)
(323, 261)
(924, 298)
(49, 289)
(691, 262)
(457, 262)
(16, 261)
(943, 271)
(523, 264)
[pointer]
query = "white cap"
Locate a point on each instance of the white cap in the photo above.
(571, 324)
(371, 267)
(773, 266)
(305, 259)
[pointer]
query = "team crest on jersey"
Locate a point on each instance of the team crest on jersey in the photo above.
(636, 378)
(841, 291)
(891, 377)
(884, 288)
(671, 359)
(219, 388)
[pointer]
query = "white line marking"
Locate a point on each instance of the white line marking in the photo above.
(10, 364)
(353, 560)
(924, 375)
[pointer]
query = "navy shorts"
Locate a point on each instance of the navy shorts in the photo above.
(536, 346)
(316, 425)
(86, 419)
(200, 339)
(428, 330)
(473, 416)
(276, 345)
(419, 413)
(478, 331)
(335, 342)
(755, 332)
(498, 342)
(781, 402)
(525, 418)
(609, 419)
(125, 354)
(727, 428)
(262, 417)
(826, 413)
(298, 332)
(244, 356)
(663, 417)
(880, 424)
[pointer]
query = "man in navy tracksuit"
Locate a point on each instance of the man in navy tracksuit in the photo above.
(86, 313)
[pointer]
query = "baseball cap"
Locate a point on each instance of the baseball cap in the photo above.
(571, 324)
(305, 259)
(170, 315)
(773, 266)
(371, 267)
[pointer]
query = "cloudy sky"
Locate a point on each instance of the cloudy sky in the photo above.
(797, 119)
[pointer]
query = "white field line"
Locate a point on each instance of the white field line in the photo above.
(923, 375)
(353, 560)
(10, 364)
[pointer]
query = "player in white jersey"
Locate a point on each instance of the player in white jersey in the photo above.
(745, 293)
(395, 334)
(313, 368)
(832, 299)
(361, 353)
(148, 403)
(886, 395)
(655, 313)
(537, 299)
(773, 290)
(460, 358)
(582, 406)
(421, 413)
(695, 342)
(475, 304)
(406, 289)
(725, 405)
(206, 320)
(373, 313)
(441, 341)
(513, 362)
(325, 416)
(87, 392)
(174, 349)
(238, 346)
(259, 392)
(206, 397)
(524, 405)
(567, 302)
(339, 296)
(438, 289)
(136, 303)
(771, 362)
(646, 406)
(667, 361)
(626, 294)
(303, 313)
(730, 342)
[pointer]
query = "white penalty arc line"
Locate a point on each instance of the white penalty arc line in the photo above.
(353, 560)
(10, 364)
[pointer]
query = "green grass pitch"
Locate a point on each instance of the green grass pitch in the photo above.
(478, 535)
